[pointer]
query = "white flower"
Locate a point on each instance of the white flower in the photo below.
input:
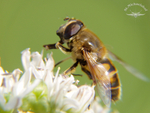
(7, 79)
(18, 88)
(63, 92)
(79, 99)
(95, 107)
(59, 94)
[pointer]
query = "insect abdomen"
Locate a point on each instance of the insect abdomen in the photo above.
(114, 79)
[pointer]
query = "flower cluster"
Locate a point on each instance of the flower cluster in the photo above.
(39, 90)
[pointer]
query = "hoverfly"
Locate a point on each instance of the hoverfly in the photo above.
(89, 51)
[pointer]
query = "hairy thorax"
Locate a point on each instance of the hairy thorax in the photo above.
(88, 41)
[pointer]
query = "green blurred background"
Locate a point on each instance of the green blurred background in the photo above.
(32, 23)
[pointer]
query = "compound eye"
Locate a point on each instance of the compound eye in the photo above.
(72, 29)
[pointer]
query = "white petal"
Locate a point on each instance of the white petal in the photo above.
(14, 102)
(59, 97)
(1, 72)
(72, 93)
(20, 86)
(16, 74)
(50, 62)
(87, 98)
(26, 58)
(37, 60)
(67, 83)
(30, 88)
(70, 103)
(97, 108)
(36, 73)
(84, 95)
(2, 99)
(9, 82)
(57, 81)
(49, 82)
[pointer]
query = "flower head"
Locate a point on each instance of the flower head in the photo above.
(39, 90)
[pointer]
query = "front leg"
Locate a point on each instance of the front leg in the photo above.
(62, 48)
(57, 45)
(50, 46)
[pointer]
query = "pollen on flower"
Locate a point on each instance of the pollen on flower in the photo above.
(38, 89)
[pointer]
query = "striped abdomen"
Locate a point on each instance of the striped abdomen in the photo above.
(114, 79)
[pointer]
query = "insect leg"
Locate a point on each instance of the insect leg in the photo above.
(50, 46)
(71, 69)
(57, 45)
(62, 48)
(62, 61)
(76, 74)
(87, 72)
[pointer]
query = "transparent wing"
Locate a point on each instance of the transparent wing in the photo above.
(100, 78)
(128, 67)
